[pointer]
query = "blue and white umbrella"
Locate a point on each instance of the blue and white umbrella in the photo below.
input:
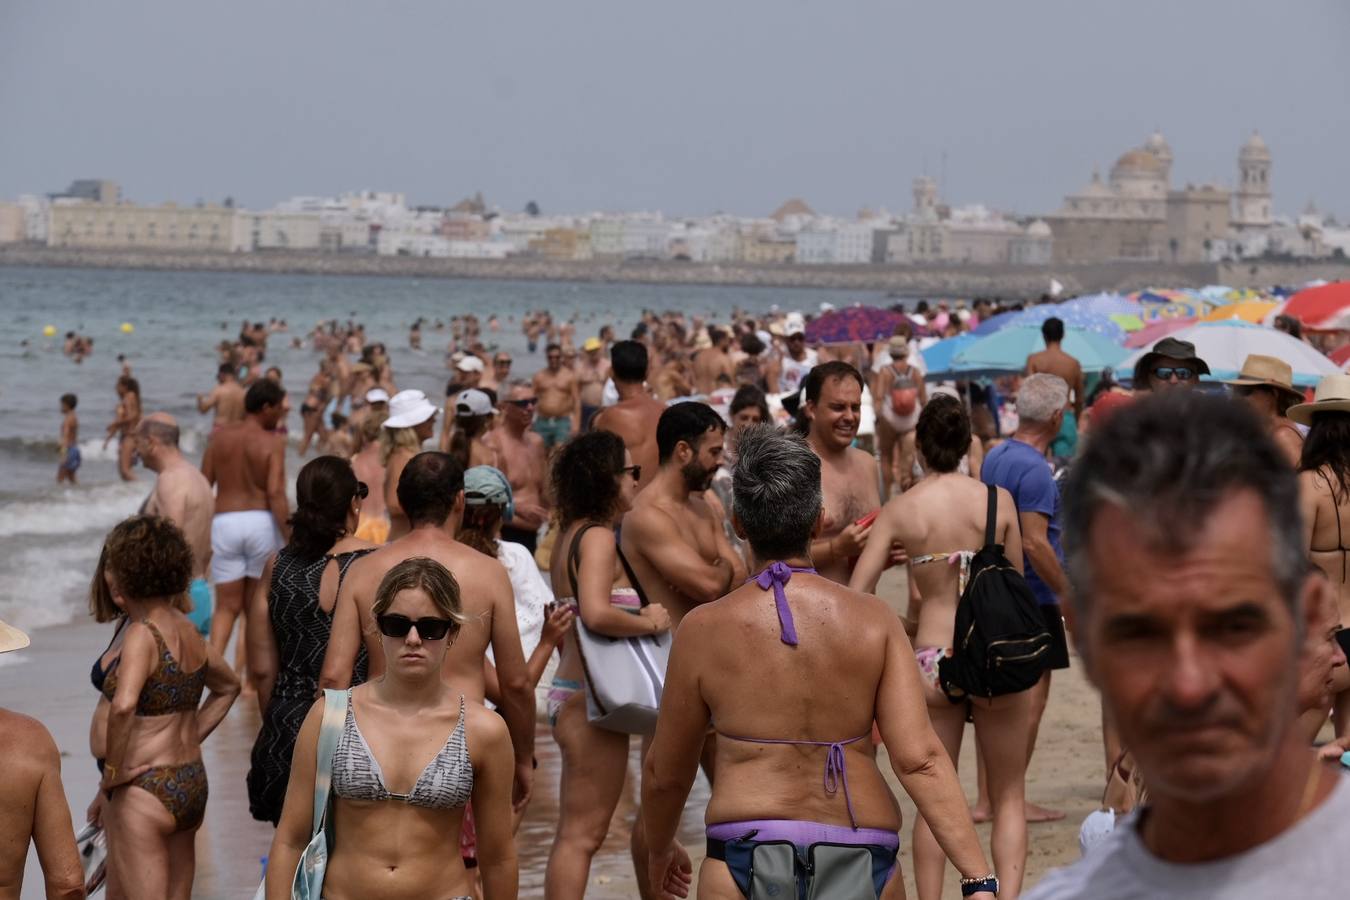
(1225, 345)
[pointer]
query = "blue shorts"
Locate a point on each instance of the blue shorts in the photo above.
(72, 460)
(554, 431)
(200, 593)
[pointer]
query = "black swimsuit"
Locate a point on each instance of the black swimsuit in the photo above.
(1343, 635)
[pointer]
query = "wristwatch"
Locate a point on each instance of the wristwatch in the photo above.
(972, 886)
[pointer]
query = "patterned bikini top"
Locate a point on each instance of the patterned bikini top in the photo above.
(168, 689)
(445, 783)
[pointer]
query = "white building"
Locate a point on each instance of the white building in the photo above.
(277, 230)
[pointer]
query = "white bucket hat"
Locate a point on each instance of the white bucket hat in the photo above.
(11, 638)
(409, 408)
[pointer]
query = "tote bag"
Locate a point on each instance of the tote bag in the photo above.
(624, 676)
(308, 881)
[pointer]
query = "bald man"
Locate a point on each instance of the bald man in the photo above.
(183, 496)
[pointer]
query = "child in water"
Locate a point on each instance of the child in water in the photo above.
(70, 440)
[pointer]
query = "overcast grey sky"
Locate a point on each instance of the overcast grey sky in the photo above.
(691, 107)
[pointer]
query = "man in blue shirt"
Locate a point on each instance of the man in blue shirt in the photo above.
(1020, 466)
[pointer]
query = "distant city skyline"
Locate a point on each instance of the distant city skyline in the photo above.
(604, 105)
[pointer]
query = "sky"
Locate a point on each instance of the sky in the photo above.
(691, 107)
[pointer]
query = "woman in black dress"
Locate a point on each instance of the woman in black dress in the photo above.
(289, 621)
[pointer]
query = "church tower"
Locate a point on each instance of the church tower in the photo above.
(1253, 193)
(925, 197)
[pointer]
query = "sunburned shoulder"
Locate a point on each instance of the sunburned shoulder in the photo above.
(26, 736)
(485, 725)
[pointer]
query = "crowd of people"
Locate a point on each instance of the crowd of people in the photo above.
(682, 534)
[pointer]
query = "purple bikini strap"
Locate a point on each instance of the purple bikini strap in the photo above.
(775, 575)
(836, 768)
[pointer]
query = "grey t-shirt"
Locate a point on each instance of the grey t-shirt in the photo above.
(1306, 862)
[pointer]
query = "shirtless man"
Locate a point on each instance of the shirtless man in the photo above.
(713, 362)
(1054, 361)
(592, 370)
(183, 496)
(559, 400)
(431, 491)
(226, 398)
(848, 476)
(246, 463)
(635, 416)
(524, 460)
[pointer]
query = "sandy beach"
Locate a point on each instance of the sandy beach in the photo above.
(49, 680)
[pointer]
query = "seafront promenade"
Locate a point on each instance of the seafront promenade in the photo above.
(948, 280)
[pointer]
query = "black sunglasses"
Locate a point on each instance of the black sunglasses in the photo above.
(1165, 373)
(635, 470)
(429, 629)
(362, 490)
(526, 403)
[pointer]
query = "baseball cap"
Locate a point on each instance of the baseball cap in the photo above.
(470, 364)
(473, 402)
(377, 395)
(488, 485)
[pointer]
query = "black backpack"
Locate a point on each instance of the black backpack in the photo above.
(1000, 641)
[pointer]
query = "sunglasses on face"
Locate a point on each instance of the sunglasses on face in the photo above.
(635, 471)
(1165, 373)
(501, 362)
(362, 490)
(527, 403)
(428, 629)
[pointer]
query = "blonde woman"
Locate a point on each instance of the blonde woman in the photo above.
(411, 422)
(411, 756)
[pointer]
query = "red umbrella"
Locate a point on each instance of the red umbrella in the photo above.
(1341, 355)
(1155, 331)
(1326, 307)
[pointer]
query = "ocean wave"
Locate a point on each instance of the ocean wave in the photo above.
(58, 511)
(47, 449)
(47, 585)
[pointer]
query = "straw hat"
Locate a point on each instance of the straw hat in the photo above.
(1332, 395)
(1267, 371)
(11, 638)
(409, 408)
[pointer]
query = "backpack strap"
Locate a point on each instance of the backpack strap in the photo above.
(573, 558)
(991, 517)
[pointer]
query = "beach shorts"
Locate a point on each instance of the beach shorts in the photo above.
(1058, 655)
(588, 413)
(1067, 440)
(72, 460)
(200, 616)
(241, 544)
(554, 430)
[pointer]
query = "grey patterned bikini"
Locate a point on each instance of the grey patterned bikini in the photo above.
(445, 783)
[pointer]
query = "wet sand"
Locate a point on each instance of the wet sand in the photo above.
(49, 680)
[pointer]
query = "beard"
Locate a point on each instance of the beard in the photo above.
(696, 477)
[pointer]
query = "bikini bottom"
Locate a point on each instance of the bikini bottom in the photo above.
(182, 790)
(804, 860)
(558, 692)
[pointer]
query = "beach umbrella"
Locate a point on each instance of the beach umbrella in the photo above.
(856, 323)
(1225, 345)
(1162, 304)
(1155, 331)
(1326, 307)
(938, 357)
(1097, 313)
(1128, 321)
(1254, 311)
(1007, 351)
(996, 322)
(1341, 355)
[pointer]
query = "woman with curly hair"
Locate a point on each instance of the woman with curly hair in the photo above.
(154, 783)
(291, 615)
(594, 482)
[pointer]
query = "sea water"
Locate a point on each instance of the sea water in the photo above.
(50, 535)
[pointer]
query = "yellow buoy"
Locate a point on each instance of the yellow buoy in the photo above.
(127, 328)
(49, 331)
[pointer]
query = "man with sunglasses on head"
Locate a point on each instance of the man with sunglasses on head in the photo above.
(524, 461)
(1171, 363)
(431, 492)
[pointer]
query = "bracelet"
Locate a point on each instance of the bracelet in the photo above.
(985, 883)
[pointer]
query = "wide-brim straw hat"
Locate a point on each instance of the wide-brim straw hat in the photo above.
(409, 408)
(1267, 371)
(11, 638)
(1332, 395)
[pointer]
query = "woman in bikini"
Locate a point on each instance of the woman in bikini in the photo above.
(941, 522)
(1324, 488)
(124, 423)
(594, 482)
(154, 783)
(412, 754)
(899, 396)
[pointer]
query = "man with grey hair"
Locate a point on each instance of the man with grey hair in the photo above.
(524, 460)
(1191, 599)
(1019, 465)
(183, 496)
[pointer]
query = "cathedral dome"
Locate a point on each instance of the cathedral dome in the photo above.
(1137, 162)
(1038, 229)
(1255, 148)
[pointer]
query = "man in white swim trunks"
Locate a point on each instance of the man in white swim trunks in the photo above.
(1190, 604)
(183, 496)
(245, 461)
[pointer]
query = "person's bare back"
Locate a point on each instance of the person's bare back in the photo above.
(238, 461)
(33, 808)
(227, 399)
(634, 419)
(183, 495)
(366, 465)
(1055, 361)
